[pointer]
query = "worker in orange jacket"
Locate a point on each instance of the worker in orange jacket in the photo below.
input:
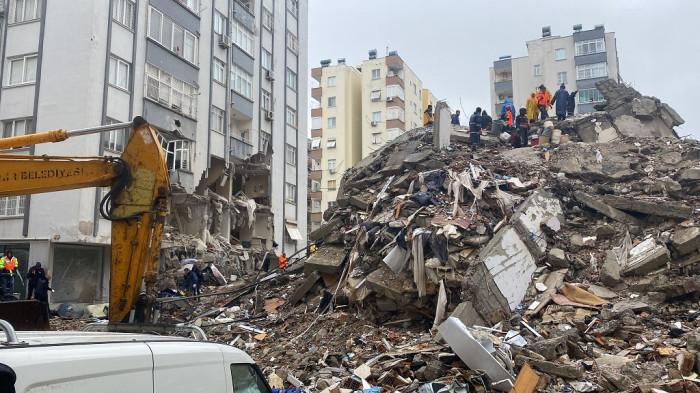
(543, 102)
(282, 261)
(8, 264)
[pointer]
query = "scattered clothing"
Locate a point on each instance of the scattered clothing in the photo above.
(561, 99)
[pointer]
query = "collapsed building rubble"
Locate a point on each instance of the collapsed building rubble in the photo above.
(557, 267)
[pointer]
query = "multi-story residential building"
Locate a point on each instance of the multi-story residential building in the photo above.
(359, 110)
(578, 60)
(219, 79)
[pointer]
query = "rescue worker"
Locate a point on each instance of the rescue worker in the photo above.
(531, 106)
(506, 105)
(571, 105)
(475, 128)
(561, 99)
(8, 264)
(543, 102)
(190, 284)
(42, 289)
(282, 261)
(33, 276)
(428, 117)
(486, 121)
(508, 117)
(455, 118)
(522, 123)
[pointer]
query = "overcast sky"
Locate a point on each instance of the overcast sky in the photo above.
(450, 45)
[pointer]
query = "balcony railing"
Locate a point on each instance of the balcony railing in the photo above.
(241, 149)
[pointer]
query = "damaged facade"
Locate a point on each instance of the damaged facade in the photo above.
(189, 68)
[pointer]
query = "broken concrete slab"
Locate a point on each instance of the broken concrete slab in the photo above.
(644, 108)
(686, 240)
(360, 202)
(551, 348)
(327, 259)
(610, 271)
(558, 369)
(510, 266)
(474, 355)
(326, 229)
(443, 128)
(557, 258)
(530, 214)
(665, 209)
(394, 286)
(689, 175)
(646, 257)
(305, 287)
(625, 305)
(602, 292)
(467, 314)
(412, 159)
(606, 210)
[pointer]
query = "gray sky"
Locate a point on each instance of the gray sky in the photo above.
(450, 45)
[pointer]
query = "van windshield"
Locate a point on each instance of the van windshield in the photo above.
(246, 379)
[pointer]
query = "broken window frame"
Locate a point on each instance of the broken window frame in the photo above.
(177, 153)
(264, 140)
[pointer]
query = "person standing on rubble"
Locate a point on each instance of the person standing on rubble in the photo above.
(531, 106)
(282, 261)
(543, 102)
(522, 124)
(571, 104)
(561, 99)
(190, 284)
(508, 117)
(455, 118)
(428, 116)
(486, 121)
(475, 128)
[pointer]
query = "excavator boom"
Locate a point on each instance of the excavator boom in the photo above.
(137, 203)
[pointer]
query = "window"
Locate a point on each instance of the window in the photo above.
(290, 193)
(293, 7)
(395, 91)
(331, 101)
(291, 117)
(316, 205)
(116, 140)
(191, 4)
(266, 60)
(17, 127)
(589, 95)
(246, 379)
(268, 19)
(177, 154)
(266, 100)
(394, 113)
(415, 108)
(376, 140)
(330, 144)
(331, 81)
(241, 82)
(560, 54)
(331, 184)
(376, 73)
(291, 79)
(12, 206)
(561, 78)
(590, 47)
(331, 165)
(172, 36)
(290, 154)
(375, 95)
(219, 71)
(123, 12)
(331, 122)
(377, 116)
(538, 70)
(264, 141)
(315, 123)
(315, 143)
(24, 10)
(242, 38)
(165, 89)
(219, 23)
(217, 119)
(315, 186)
(588, 71)
(292, 42)
(23, 70)
(118, 73)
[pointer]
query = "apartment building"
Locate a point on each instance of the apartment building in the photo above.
(578, 60)
(359, 109)
(219, 79)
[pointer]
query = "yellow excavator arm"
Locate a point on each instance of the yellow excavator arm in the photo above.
(137, 203)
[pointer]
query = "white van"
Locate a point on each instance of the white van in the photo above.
(122, 362)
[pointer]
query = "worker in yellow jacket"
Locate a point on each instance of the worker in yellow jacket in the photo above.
(531, 107)
(8, 264)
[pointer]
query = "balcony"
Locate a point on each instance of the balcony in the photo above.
(316, 217)
(394, 62)
(316, 154)
(317, 73)
(240, 148)
(503, 88)
(396, 102)
(504, 65)
(395, 123)
(315, 175)
(316, 93)
(316, 112)
(395, 80)
(317, 133)
(315, 195)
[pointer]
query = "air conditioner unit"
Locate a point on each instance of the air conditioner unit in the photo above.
(224, 41)
(269, 115)
(389, 98)
(270, 75)
(374, 123)
(331, 170)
